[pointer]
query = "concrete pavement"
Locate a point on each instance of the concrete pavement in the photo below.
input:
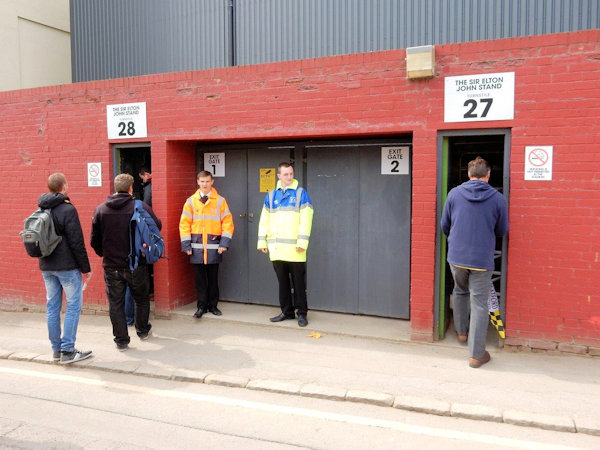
(338, 357)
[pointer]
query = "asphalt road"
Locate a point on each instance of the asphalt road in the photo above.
(50, 406)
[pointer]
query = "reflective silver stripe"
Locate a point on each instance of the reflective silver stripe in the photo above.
(190, 202)
(261, 238)
(227, 235)
(188, 214)
(287, 208)
(302, 236)
(271, 195)
(185, 238)
(225, 213)
(207, 246)
(206, 217)
(219, 203)
(281, 241)
(298, 197)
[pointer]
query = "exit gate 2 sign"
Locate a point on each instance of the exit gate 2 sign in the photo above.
(475, 98)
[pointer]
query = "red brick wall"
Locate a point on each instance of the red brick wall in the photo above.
(554, 243)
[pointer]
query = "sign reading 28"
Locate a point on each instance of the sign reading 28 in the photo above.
(126, 121)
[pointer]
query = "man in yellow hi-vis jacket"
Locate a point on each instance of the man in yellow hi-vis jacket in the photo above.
(206, 229)
(283, 232)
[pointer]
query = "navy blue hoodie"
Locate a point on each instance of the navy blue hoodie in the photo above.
(474, 214)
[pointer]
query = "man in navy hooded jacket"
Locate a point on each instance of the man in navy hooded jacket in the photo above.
(474, 214)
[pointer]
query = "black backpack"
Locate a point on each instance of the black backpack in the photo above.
(39, 236)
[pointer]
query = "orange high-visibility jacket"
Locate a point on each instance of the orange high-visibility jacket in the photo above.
(204, 227)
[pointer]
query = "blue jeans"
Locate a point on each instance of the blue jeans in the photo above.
(56, 282)
(129, 307)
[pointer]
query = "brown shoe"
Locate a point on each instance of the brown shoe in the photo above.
(478, 362)
(462, 338)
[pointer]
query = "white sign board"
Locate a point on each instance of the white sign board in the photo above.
(94, 173)
(394, 160)
(215, 164)
(538, 163)
(126, 121)
(475, 98)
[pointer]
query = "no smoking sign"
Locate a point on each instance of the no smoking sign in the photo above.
(538, 163)
(94, 172)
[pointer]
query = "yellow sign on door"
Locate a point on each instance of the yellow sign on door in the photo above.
(267, 179)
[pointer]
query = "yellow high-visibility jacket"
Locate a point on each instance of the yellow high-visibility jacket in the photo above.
(285, 223)
(204, 227)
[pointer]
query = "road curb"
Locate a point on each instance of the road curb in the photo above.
(583, 425)
(422, 405)
(477, 412)
(556, 423)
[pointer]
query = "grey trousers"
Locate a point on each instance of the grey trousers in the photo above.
(471, 287)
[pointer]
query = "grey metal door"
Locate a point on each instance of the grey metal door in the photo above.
(233, 272)
(332, 259)
(246, 275)
(359, 256)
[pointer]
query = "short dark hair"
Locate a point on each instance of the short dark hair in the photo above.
(204, 173)
(478, 168)
(143, 170)
(283, 164)
(56, 182)
(123, 182)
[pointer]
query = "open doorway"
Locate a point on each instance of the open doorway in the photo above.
(129, 158)
(456, 149)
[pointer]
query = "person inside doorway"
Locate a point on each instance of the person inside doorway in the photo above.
(283, 232)
(146, 177)
(474, 214)
(206, 230)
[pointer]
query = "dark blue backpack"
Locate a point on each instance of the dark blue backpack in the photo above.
(145, 238)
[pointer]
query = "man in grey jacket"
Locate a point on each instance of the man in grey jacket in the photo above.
(474, 214)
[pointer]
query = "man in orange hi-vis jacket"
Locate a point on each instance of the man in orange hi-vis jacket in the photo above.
(206, 229)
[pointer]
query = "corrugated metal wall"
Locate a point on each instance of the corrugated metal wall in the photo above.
(119, 38)
(116, 38)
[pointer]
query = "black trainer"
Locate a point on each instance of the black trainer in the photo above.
(56, 355)
(74, 356)
(146, 336)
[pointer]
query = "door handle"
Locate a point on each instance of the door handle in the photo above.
(250, 214)
(243, 215)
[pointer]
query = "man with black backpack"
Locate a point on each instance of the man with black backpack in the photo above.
(62, 271)
(112, 238)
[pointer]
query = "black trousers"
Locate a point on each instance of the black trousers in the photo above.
(117, 280)
(207, 285)
(297, 272)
